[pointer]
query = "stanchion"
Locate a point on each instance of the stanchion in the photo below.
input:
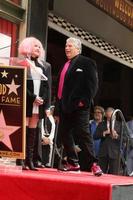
(56, 151)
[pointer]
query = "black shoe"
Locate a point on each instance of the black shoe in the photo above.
(24, 167)
(70, 167)
(21, 162)
(39, 165)
(30, 165)
(48, 166)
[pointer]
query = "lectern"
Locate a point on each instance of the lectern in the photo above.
(12, 112)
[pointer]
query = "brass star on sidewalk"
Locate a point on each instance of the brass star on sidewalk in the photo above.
(13, 87)
(4, 74)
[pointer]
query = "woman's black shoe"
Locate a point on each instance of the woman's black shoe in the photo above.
(21, 162)
(31, 166)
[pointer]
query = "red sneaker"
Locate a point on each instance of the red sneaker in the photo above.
(96, 170)
(70, 167)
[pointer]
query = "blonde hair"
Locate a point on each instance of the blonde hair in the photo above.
(26, 46)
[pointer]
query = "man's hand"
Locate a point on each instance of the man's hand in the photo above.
(107, 132)
(48, 112)
(114, 134)
(57, 119)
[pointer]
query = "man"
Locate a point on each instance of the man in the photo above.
(130, 153)
(77, 86)
(38, 150)
(109, 145)
(97, 118)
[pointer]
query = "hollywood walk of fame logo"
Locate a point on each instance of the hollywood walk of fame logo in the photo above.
(9, 91)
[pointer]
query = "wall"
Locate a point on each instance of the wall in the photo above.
(88, 17)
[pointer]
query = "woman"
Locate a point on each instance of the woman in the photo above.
(97, 118)
(37, 92)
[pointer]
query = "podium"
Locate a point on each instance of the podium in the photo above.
(12, 113)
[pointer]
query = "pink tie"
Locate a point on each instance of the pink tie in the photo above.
(62, 77)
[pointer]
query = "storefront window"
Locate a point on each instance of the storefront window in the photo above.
(5, 45)
(8, 37)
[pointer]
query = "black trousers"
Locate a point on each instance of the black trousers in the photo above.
(74, 129)
(109, 165)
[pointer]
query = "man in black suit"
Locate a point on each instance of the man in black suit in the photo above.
(78, 83)
(110, 144)
(38, 149)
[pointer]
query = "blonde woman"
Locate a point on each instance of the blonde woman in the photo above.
(37, 92)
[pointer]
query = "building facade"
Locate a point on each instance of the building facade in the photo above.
(105, 28)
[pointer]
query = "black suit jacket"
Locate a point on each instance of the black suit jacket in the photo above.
(45, 91)
(80, 85)
(108, 147)
(47, 67)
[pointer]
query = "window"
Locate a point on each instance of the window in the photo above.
(5, 45)
(10, 30)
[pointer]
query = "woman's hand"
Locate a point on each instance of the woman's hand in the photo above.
(38, 101)
(46, 140)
